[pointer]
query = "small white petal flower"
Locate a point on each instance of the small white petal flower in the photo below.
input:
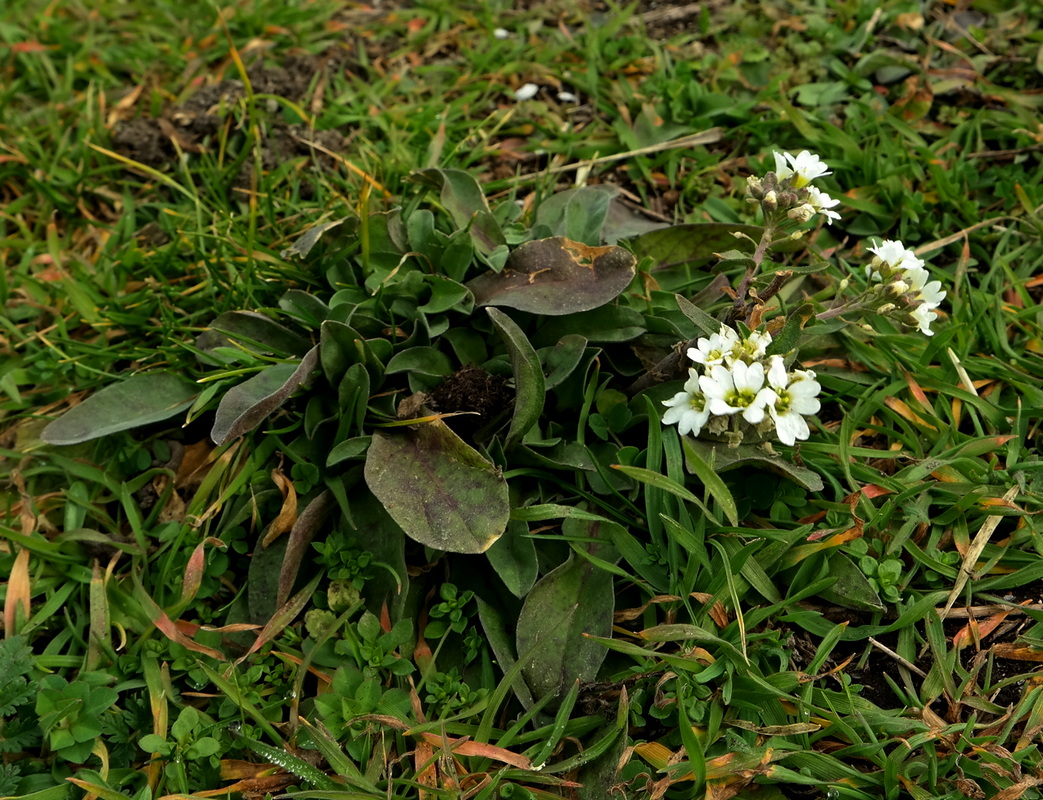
(802, 168)
(795, 394)
(928, 292)
(566, 97)
(750, 349)
(526, 92)
(924, 315)
(687, 408)
(822, 203)
(715, 349)
(892, 256)
(737, 390)
(502, 33)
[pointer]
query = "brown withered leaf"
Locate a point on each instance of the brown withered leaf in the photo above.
(556, 276)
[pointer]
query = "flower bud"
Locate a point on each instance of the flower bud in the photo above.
(770, 201)
(898, 288)
(801, 213)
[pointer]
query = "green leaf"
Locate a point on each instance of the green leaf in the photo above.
(16, 662)
(154, 743)
(138, 400)
(529, 388)
(254, 331)
(462, 197)
(611, 323)
(203, 748)
(690, 244)
(307, 240)
(304, 307)
(439, 489)
(348, 449)
(711, 480)
(578, 213)
(513, 556)
(787, 338)
(340, 346)
(703, 321)
(556, 277)
(660, 481)
(726, 458)
(291, 763)
(575, 599)
(248, 404)
(560, 360)
(498, 630)
(852, 589)
(185, 723)
(425, 360)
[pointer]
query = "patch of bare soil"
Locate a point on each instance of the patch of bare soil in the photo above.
(190, 126)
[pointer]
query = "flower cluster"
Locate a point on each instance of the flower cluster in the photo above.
(735, 380)
(789, 188)
(905, 282)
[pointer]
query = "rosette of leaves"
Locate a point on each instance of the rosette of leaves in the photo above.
(453, 381)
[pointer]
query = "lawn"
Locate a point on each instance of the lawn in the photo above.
(486, 400)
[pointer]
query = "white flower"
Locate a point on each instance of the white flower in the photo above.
(526, 92)
(822, 202)
(688, 408)
(891, 256)
(501, 33)
(736, 390)
(566, 97)
(750, 349)
(923, 316)
(929, 293)
(803, 168)
(793, 395)
(714, 350)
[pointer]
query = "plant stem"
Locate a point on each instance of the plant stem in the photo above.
(739, 307)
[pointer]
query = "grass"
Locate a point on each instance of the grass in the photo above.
(247, 595)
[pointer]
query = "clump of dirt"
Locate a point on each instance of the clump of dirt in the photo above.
(472, 389)
(189, 126)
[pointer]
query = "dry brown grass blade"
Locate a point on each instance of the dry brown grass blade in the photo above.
(977, 547)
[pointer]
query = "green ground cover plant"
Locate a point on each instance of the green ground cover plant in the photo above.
(463, 400)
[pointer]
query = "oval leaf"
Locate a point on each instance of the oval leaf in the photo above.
(726, 458)
(138, 400)
(254, 331)
(556, 276)
(529, 387)
(574, 599)
(690, 244)
(852, 589)
(462, 197)
(514, 559)
(245, 406)
(439, 489)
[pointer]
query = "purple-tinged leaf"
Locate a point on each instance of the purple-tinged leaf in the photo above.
(439, 489)
(556, 276)
(247, 405)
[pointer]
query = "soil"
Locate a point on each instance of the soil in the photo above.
(869, 671)
(481, 396)
(189, 126)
